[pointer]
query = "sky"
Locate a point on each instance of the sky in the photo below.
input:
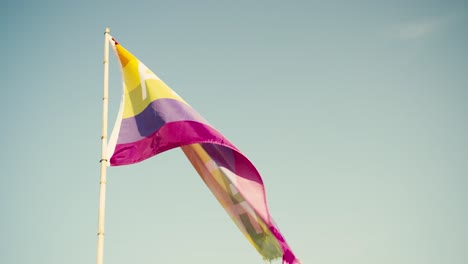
(354, 112)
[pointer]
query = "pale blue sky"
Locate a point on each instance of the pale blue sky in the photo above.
(354, 112)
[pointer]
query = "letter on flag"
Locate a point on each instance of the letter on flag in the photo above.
(152, 119)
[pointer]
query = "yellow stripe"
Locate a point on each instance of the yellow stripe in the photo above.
(155, 89)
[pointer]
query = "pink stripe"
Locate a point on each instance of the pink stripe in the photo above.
(169, 136)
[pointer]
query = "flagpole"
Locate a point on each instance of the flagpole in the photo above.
(102, 182)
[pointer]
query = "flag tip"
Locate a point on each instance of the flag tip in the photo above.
(107, 31)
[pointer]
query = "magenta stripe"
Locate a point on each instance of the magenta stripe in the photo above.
(288, 255)
(169, 136)
(153, 117)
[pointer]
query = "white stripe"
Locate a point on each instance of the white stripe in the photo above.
(115, 131)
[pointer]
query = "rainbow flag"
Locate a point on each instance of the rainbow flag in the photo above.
(153, 118)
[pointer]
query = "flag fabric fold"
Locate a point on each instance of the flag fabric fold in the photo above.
(153, 118)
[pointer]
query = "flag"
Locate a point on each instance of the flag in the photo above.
(153, 118)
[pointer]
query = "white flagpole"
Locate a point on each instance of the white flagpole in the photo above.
(102, 183)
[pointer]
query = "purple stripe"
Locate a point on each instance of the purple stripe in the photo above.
(153, 117)
(169, 136)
